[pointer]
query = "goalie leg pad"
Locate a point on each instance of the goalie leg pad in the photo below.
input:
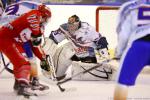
(62, 59)
(104, 72)
(49, 47)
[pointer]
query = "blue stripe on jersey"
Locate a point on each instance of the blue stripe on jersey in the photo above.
(144, 13)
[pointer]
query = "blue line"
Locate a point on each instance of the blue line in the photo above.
(98, 4)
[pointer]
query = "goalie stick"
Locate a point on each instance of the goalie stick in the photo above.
(83, 72)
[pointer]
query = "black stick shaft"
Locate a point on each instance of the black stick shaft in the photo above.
(83, 72)
(61, 89)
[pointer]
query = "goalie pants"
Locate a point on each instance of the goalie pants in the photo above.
(132, 62)
(21, 66)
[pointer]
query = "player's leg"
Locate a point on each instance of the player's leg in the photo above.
(36, 85)
(121, 92)
(34, 79)
(21, 50)
(131, 63)
(62, 60)
(21, 68)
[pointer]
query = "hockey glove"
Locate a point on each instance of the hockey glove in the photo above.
(47, 68)
(45, 65)
(102, 43)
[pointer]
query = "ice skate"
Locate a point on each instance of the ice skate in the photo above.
(61, 77)
(25, 91)
(16, 85)
(38, 88)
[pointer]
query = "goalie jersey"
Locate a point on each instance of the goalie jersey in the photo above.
(81, 39)
(130, 29)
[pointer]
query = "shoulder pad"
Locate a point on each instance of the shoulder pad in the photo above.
(64, 26)
(84, 25)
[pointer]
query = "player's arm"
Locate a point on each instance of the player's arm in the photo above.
(34, 22)
(99, 40)
(124, 31)
(38, 51)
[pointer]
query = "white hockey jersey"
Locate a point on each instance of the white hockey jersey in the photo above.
(134, 23)
(82, 39)
(12, 11)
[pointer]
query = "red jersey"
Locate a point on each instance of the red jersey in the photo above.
(27, 22)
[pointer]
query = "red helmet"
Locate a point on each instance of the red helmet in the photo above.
(45, 11)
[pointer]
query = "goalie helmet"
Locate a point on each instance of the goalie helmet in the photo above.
(74, 23)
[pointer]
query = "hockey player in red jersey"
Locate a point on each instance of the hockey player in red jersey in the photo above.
(30, 22)
(10, 13)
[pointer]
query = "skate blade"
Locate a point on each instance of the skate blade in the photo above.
(41, 92)
(26, 98)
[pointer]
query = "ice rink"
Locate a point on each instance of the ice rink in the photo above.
(82, 90)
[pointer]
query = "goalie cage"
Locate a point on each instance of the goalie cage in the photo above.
(106, 22)
(106, 18)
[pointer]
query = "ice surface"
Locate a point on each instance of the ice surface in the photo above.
(82, 90)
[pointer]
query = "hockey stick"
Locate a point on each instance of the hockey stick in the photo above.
(50, 60)
(83, 72)
(51, 63)
(53, 76)
(6, 65)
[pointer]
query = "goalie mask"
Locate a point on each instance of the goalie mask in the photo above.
(73, 23)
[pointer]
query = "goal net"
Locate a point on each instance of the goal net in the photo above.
(106, 20)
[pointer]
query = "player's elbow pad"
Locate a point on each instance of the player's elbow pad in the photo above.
(37, 41)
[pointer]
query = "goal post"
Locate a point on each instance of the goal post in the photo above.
(106, 22)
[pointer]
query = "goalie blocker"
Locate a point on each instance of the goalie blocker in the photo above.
(62, 60)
